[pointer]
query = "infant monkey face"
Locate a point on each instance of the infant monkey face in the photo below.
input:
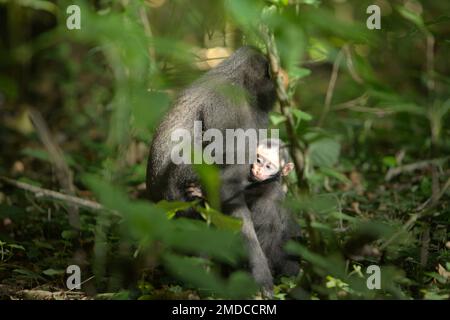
(267, 163)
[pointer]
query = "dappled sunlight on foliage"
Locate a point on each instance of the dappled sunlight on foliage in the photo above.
(365, 116)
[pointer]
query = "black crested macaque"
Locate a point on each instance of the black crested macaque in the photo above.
(273, 224)
(237, 94)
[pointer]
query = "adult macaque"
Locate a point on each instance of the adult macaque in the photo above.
(238, 93)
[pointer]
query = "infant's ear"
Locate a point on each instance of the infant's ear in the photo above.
(287, 168)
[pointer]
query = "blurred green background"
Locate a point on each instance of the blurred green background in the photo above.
(371, 116)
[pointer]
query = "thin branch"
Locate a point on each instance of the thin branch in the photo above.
(63, 173)
(393, 172)
(46, 193)
(62, 170)
(350, 66)
(435, 198)
(331, 86)
(148, 31)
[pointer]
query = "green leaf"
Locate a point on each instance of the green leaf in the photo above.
(297, 73)
(220, 220)
(69, 234)
(389, 161)
(412, 16)
(318, 50)
(334, 265)
(209, 176)
(245, 12)
(171, 207)
(192, 236)
(300, 115)
(39, 5)
(277, 118)
(53, 272)
(16, 246)
(239, 286)
(42, 244)
(142, 118)
(330, 172)
(324, 152)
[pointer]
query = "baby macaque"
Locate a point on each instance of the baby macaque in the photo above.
(273, 224)
(264, 196)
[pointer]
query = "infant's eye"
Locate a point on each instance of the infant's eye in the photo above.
(258, 160)
(268, 166)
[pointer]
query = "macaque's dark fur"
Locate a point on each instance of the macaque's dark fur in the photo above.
(273, 224)
(206, 100)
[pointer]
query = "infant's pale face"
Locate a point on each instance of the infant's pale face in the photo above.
(267, 163)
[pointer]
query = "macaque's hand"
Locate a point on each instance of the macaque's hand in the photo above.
(194, 191)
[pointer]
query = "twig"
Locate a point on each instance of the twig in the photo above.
(148, 30)
(393, 172)
(46, 193)
(88, 279)
(350, 66)
(331, 86)
(359, 101)
(431, 201)
(62, 170)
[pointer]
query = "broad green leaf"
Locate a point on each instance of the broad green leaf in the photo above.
(220, 220)
(297, 73)
(330, 172)
(209, 176)
(324, 152)
(171, 207)
(196, 237)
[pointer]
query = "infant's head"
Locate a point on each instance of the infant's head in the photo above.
(271, 161)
